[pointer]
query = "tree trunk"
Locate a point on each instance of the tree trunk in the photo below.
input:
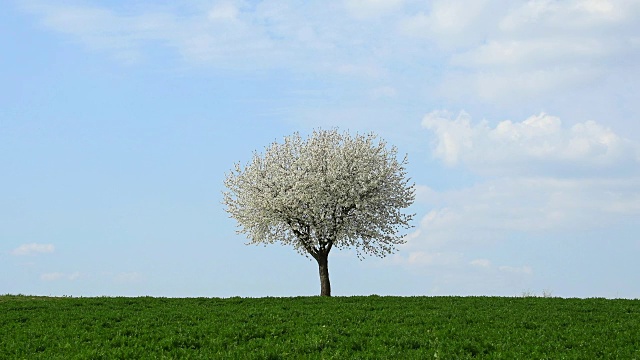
(323, 265)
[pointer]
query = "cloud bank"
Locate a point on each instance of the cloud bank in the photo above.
(493, 50)
(537, 146)
(535, 175)
(535, 178)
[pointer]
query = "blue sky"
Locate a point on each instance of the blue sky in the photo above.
(118, 121)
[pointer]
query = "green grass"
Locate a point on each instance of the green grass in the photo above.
(318, 328)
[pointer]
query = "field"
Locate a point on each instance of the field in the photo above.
(318, 328)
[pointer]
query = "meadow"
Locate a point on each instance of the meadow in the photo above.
(371, 327)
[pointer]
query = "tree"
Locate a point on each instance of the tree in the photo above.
(330, 190)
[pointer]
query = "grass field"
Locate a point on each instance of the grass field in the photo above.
(318, 328)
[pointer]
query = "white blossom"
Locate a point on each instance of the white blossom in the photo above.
(330, 190)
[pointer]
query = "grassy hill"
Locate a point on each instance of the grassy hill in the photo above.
(370, 327)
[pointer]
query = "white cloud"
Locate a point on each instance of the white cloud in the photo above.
(541, 178)
(451, 23)
(532, 54)
(570, 16)
(537, 146)
(494, 50)
(483, 263)
(223, 12)
(504, 85)
(503, 52)
(32, 249)
(100, 28)
(473, 219)
(422, 258)
(207, 35)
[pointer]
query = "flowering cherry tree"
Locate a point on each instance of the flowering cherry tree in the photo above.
(329, 190)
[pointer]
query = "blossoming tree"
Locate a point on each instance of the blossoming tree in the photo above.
(329, 190)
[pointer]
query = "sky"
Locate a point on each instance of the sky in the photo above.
(119, 120)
